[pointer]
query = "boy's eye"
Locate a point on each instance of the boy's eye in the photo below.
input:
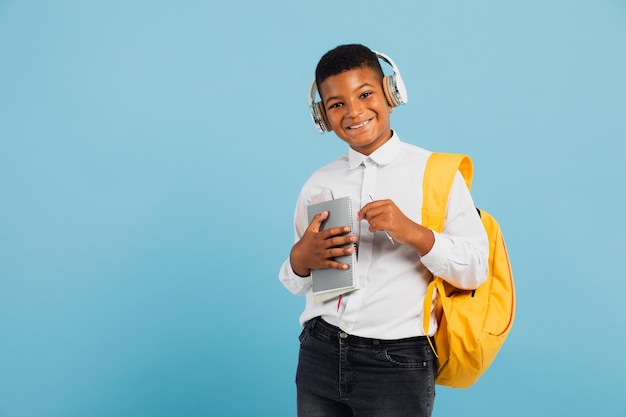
(335, 105)
(366, 94)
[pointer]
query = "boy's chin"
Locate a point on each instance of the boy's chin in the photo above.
(365, 144)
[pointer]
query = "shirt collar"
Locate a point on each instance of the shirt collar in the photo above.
(381, 156)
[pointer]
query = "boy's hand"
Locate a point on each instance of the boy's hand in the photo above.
(385, 216)
(316, 249)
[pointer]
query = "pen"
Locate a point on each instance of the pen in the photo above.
(388, 237)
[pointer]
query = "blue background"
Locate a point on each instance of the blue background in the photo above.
(151, 153)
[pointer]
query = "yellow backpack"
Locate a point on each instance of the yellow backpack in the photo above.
(472, 323)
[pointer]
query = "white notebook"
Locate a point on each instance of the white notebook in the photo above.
(329, 283)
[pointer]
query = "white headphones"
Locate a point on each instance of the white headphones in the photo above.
(393, 87)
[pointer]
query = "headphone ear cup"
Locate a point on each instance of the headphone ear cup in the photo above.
(323, 118)
(389, 90)
(318, 114)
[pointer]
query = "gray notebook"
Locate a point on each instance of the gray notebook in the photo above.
(329, 283)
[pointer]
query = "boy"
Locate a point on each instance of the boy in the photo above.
(365, 353)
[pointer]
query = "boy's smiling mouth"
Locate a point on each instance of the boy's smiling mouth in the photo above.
(360, 125)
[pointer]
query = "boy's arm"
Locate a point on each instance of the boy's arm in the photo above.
(459, 254)
(314, 249)
(384, 215)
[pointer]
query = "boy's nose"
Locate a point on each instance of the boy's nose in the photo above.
(355, 108)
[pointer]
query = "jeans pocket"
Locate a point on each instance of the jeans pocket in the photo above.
(415, 357)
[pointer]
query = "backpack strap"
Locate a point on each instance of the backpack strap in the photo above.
(441, 168)
(440, 171)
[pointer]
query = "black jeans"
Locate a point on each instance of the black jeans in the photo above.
(344, 375)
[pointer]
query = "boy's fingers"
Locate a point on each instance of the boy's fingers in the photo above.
(316, 225)
(368, 211)
(342, 240)
(336, 231)
(362, 213)
(373, 209)
(336, 265)
(317, 221)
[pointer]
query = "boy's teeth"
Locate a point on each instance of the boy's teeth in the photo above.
(358, 126)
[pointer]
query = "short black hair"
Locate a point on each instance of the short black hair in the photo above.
(345, 58)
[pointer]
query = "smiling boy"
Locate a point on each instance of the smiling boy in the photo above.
(366, 354)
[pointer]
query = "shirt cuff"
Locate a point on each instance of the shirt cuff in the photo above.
(438, 256)
(292, 281)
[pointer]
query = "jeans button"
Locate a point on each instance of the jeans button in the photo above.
(343, 335)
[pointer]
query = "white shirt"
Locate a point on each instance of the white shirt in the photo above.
(389, 304)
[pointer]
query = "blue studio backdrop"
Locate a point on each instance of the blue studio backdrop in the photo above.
(151, 153)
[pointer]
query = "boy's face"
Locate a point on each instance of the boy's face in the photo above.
(357, 109)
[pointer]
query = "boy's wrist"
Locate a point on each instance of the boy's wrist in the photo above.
(422, 240)
(299, 271)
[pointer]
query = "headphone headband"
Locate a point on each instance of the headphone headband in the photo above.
(393, 87)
